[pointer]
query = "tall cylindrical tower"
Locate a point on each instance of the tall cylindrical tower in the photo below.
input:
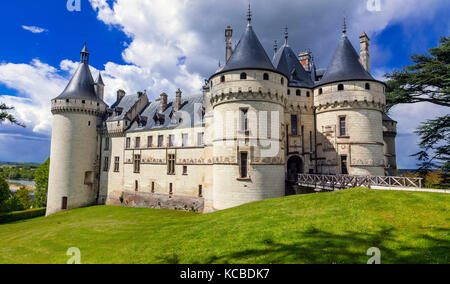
(349, 104)
(74, 160)
(248, 97)
(389, 134)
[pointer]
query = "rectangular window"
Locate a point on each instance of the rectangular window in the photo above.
(200, 139)
(106, 165)
(160, 141)
(170, 189)
(137, 164)
(64, 203)
(342, 126)
(294, 129)
(106, 143)
(200, 191)
(184, 138)
(303, 139)
(137, 143)
(244, 119)
(116, 164)
(185, 171)
(171, 164)
(149, 141)
(344, 166)
(171, 141)
(128, 143)
(153, 187)
(243, 169)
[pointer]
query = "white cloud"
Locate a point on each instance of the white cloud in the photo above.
(34, 29)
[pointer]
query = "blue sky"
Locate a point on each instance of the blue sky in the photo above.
(161, 45)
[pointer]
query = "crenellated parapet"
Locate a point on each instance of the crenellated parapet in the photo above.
(89, 107)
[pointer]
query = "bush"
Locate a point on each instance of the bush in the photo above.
(21, 215)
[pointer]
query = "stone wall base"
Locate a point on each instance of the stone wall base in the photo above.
(157, 201)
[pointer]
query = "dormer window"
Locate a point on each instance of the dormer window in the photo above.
(244, 76)
(266, 77)
(340, 87)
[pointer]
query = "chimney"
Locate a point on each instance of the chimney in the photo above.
(229, 44)
(364, 56)
(305, 59)
(178, 100)
(162, 102)
(120, 95)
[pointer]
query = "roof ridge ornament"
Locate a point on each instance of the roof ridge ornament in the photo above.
(84, 58)
(344, 27)
(286, 35)
(249, 15)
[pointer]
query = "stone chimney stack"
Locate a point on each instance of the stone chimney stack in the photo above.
(305, 60)
(229, 44)
(120, 95)
(364, 55)
(162, 102)
(178, 100)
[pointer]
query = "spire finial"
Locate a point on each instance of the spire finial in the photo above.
(249, 15)
(286, 35)
(344, 28)
(275, 47)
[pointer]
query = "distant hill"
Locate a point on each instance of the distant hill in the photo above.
(16, 164)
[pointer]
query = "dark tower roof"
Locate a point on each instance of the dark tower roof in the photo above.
(99, 80)
(345, 65)
(286, 62)
(248, 54)
(81, 86)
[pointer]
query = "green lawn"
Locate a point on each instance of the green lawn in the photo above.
(334, 227)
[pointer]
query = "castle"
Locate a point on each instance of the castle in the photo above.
(257, 124)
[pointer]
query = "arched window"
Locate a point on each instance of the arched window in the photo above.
(367, 86)
(266, 77)
(308, 94)
(340, 87)
(243, 76)
(282, 81)
(289, 92)
(222, 79)
(320, 91)
(298, 93)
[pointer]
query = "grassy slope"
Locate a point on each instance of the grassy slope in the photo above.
(320, 228)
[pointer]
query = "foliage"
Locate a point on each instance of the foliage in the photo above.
(14, 203)
(5, 193)
(41, 181)
(6, 116)
(25, 199)
(427, 80)
(21, 215)
(337, 227)
(436, 179)
(19, 172)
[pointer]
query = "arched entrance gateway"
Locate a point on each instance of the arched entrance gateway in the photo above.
(294, 168)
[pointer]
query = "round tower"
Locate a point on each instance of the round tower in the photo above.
(389, 134)
(349, 104)
(74, 161)
(247, 96)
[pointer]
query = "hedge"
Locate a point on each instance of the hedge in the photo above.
(21, 215)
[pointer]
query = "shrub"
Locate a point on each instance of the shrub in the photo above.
(434, 179)
(21, 215)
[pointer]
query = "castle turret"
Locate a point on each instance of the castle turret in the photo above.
(247, 97)
(349, 105)
(74, 167)
(389, 134)
(99, 86)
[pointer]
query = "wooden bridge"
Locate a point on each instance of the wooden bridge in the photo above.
(336, 182)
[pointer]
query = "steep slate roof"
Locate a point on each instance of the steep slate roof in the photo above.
(387, 118)
(126, 103)
(81, 86)
(191, 106)
(99, 79)
(286, 62)
(248, 54)
(345, 65)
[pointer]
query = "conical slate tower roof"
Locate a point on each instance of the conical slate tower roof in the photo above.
(99, 80)
(81, 86)
(286, 62)
(345, 65)
(248, 54)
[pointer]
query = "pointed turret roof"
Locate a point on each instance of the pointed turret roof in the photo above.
(249, 53)
(81, 86)
(99, 80)
(345, 65)
(286, 62)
